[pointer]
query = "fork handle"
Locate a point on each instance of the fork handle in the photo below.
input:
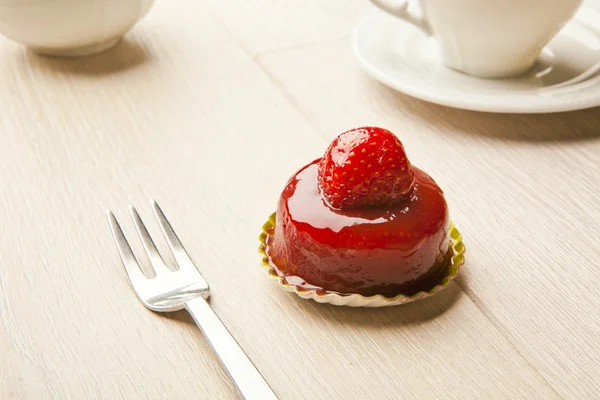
(247, 378)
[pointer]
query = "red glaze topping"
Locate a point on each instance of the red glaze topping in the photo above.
(402, 248)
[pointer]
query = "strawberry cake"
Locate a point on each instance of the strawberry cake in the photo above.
(361, 220)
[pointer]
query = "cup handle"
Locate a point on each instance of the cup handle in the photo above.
(400, 10)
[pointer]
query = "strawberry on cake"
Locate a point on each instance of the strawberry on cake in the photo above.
(361, 220)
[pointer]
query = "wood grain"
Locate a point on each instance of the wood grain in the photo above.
(522, 188)
(263, 26)
(181, 111)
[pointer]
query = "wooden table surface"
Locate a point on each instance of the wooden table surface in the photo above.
(209, 106)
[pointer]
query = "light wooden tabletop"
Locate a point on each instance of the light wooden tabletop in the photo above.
(209, 106)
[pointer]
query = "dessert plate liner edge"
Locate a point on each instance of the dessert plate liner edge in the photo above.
(357, 300)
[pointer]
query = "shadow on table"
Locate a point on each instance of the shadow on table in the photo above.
(181, 316)
(407, 314)
(579, 125)
(128, 54)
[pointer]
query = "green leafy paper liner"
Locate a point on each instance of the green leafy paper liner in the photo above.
(357, 300)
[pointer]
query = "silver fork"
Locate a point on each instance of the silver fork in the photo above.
(185, 288)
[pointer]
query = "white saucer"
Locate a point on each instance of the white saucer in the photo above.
(567, 76)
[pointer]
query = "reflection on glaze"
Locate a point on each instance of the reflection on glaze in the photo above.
(367, 251)
(408, 222)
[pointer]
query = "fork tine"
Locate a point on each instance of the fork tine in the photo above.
(181, 256)
(129, 261)
(157, 262)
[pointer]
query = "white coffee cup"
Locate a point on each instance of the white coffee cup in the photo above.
(69, 27)
(488, 38)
